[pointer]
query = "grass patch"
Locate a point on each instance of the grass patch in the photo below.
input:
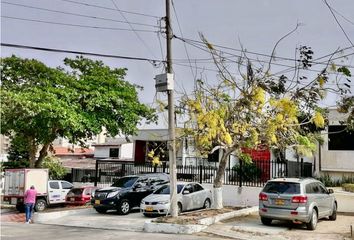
(348, 187)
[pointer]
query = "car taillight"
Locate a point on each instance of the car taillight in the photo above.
(263, 197)
(299, 199)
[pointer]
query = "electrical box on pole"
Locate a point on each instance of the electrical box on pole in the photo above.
(164, 82)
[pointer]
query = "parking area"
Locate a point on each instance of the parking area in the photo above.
(281, 230)
(134, 221)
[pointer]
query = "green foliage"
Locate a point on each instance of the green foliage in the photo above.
(328, 181)
(18, 152)
(44, 103)
(249, 171)
(56, 169)
(348, 187)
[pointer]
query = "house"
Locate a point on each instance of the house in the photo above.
(335, 156)
(114, 148)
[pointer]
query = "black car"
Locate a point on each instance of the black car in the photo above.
(127, 192)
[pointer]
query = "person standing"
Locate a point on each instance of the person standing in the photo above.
(30, 200)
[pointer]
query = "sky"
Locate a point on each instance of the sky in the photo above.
(105, 27)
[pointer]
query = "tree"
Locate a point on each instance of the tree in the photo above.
(41, 103)
(255, 110)
(55, 167)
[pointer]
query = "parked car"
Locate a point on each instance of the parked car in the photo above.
(80, 195)
(127, 192)
(189, 196)
(302, 200)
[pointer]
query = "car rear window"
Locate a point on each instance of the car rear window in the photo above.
(282, 187)
(76, 191)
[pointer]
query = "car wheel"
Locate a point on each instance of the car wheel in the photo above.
(124, 207)
(333, 217)
(40, 205)
(100, 210)
(207, 203)
(266, 221)
(179, 208)
(313, 222)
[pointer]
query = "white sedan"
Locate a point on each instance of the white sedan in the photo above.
(189, 196)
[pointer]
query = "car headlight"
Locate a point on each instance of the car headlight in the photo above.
(163, 202)
(112, 194)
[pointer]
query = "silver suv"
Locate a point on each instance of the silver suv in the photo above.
(301, 200)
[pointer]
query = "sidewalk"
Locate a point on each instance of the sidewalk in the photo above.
(345, 201)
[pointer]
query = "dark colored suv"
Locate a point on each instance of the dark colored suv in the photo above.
(127, 192)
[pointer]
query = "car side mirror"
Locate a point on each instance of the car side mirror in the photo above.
(186, 192)
(330, 191)
(137, 186)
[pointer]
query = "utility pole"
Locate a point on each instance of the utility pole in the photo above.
(171, 119)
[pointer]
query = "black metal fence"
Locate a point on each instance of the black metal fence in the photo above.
(252, 174)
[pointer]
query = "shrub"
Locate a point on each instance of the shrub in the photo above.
(348, 187)
(56, 169)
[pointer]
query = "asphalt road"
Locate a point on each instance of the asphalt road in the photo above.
(12, 231)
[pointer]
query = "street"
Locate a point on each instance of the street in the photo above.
(10, 231)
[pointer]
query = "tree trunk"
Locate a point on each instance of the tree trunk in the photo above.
(32, 152)
(42, 154)
(217, 191)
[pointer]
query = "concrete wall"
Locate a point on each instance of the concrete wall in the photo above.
(125, 151)
(238, 196)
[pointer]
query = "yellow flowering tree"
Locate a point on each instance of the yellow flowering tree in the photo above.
(253, 110)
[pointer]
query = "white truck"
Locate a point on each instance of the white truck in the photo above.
(49, 192)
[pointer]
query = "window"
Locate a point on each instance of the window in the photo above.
(282, 187)
(309, 188)
(340, 139)
(189, 188)
(54, 185)
(197, 188)
(66, 185)
(114, 152)
(322, 189)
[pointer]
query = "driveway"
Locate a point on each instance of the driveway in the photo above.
(250, 227)
(134, 221)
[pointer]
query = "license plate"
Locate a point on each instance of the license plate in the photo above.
(279, 201)
(97, 202)
(72, 199)
(149, 209)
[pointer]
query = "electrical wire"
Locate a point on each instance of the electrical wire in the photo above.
(80, 52)
(131, 27)
(335, 18)
(108, 8)
(77, 14)
(78, 25)
(184, 44)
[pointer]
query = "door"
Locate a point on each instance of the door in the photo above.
(320, 198)
(327, 200)
(65, 188)
(139, 190)
(187, 197)
(54, 192)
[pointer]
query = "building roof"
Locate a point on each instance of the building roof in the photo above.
(65, 151)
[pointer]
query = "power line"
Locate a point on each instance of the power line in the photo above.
(335, 18)
(131, 27)
(108, 8)
(78, 14)
(186, 40)
(184, 44)
(76, 25)
(80, 52)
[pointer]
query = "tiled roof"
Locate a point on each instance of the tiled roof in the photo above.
(69, 151)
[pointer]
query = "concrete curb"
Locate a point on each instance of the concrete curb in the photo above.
(243, 212)
(43, 217)
(153, 227)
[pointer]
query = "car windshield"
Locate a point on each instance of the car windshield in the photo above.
(124, 182)
(166, 189)
(282, 188)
